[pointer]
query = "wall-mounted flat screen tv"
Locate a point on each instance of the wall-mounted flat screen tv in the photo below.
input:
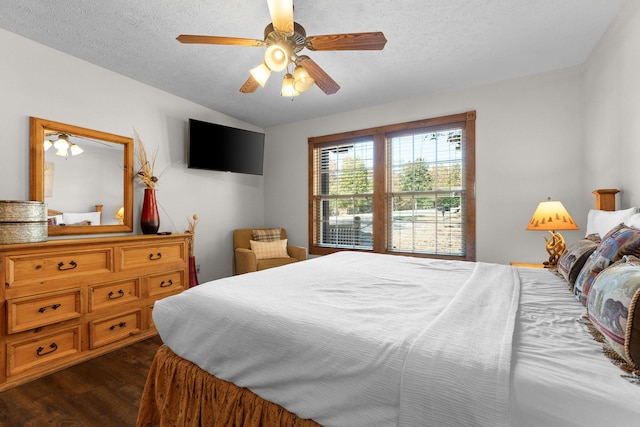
(223, 148)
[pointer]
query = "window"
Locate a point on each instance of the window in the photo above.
(406, 188)
(344, 194)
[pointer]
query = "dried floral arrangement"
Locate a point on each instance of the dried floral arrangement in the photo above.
(147, 164)
(191, 229)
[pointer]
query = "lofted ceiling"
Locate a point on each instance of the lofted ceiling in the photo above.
(433, 46)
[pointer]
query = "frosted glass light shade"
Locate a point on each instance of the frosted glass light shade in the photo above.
(75, 150)
(261, 73)
(302, 81)
(62, 143)
(287, 86)
(276, 58)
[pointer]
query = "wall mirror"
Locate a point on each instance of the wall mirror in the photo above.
(85, 177)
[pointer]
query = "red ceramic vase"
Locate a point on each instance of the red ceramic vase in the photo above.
(149, 217)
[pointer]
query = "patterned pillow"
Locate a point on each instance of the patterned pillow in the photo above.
(275, 249)
(612, 308)
(573, 258)
(620, 241)
(266, 235)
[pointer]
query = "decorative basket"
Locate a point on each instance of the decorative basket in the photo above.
(22, 222)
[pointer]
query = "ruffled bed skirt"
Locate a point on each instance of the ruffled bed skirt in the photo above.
(179, 393)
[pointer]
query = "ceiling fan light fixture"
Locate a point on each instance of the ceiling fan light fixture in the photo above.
(284, 39)
(276, 57)
(302, 81)
(261, 73)
(288, 88)
(47, 144)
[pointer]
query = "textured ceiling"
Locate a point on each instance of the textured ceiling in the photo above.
(433, 46)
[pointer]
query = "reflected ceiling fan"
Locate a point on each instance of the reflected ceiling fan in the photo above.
(284, 39)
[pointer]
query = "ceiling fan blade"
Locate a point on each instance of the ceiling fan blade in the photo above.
(281, 15)
(352, 41)
(321, 78)
(234, 41)
(250, 85)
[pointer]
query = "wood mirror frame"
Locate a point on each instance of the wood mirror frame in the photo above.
(39, 129)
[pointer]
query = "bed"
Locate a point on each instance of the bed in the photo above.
(355, 339)
(55, 217)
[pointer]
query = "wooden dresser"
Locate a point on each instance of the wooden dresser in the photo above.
(67, 301)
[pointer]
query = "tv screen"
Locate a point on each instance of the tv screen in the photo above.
(223, 148)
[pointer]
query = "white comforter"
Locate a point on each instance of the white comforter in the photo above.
(358, 339)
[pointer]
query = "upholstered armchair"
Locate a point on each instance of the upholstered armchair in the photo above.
(261, 248)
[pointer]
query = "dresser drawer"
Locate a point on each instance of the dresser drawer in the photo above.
(113, 294)
(42, 351)
(166, 283)
(43, 309)
(112, 329)
(26, 269)
(135, 257)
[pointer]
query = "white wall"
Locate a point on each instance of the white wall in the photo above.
(42, 82)
(527, 148)
(612, 108)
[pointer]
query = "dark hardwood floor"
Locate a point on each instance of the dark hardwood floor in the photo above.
(102, 392)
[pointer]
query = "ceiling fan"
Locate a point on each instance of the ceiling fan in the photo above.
(284, 39)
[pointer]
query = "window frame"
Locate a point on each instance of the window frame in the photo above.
(381, 199)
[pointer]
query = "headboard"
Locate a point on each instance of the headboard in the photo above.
(606, 199)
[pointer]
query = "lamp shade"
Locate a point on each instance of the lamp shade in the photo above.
(276, 57)
(62, 143)
(75, 150)
(551, 215)
(120, 213)
(261, 73)
(302, 81)
(287, 86)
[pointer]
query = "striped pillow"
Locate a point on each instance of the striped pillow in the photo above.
(266, 235)
(275, 249)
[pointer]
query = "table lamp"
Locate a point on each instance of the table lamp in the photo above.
(120, 215)
(552, 216)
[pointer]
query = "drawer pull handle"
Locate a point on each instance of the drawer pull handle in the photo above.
(73, 265)
(121, 325)
(168, 283)
(40, 350)
(120, 294)
(53, 307)
(155, 257)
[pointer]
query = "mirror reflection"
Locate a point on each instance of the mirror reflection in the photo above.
(80, 174)
(84, 176)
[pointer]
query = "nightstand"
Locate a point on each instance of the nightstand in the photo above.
(526, 264)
